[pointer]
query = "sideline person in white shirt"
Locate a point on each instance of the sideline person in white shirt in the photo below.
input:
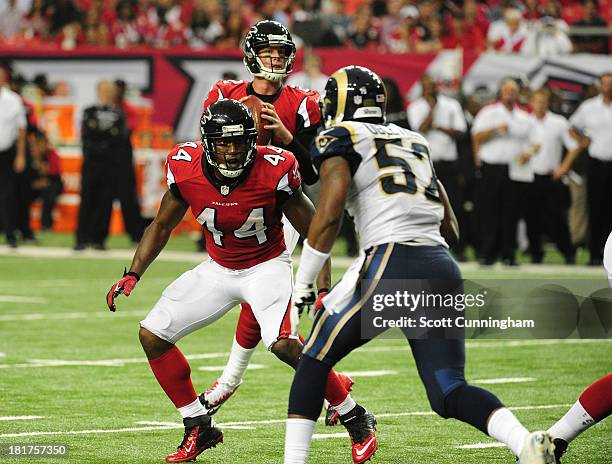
(593, 118)
(12, 152)
(499, 132)
(548, 204)
(441, 121)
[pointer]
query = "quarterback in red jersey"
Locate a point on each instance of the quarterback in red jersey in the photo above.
(293, 115)
(238, 192)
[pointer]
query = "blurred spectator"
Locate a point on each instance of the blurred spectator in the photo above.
(431, 40)
(392, 25)
(552, 9)
(206, 24)
(95, 31)
(533, 10)
(508, 34)
(63, 13)
(338, 24)
(126, 182)
(35, 26)
(164, 27)
(47, 183)
(362, 33)
(231, 36)
(11, 18)
(545, 39)
(476, 16)
(396, 107)
(461, 36)
(441, 121)
(12, 152)
(593, 119)
(549, 200)
(125, 30)
(591, 43)
(103, 132)
(311, 77)
(499, 133)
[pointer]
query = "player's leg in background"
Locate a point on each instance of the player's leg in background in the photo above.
(593, 406)
(246, 339)
(489, 207)
(269, 288)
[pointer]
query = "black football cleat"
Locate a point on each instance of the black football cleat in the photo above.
(361, 426)
(201, 433)
(560, 448)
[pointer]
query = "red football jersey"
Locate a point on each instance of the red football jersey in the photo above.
(241, 220)
(297, 108)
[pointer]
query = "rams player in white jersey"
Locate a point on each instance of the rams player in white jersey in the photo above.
(383, 175)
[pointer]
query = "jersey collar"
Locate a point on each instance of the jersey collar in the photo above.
(264, 98)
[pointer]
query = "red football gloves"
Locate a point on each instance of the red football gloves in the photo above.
(318, 306)
(125, 286)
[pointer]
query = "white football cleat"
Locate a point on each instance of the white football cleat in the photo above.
(213, 398)
(538, 449)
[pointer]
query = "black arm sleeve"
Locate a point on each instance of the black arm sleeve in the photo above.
(300, 147)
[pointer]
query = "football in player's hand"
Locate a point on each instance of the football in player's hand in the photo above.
(254, 104)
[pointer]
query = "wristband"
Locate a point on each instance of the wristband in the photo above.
(131, 273)
(311, 263)
(321, 290)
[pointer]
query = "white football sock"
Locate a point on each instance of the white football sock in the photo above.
(573, 423)
(505, 427)
(297, 440)
(346, 406)
(236, 365)
(192, 409)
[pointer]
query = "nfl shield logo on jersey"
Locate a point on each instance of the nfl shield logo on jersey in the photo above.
(224, 190)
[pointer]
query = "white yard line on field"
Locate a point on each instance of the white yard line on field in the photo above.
(322, 436)
(251, 366)
(35, 363)
(380, 373)
(172, 425)
(195, 257)
(504, 380)
(177, 425)
(22, 299)
(73, 315)
(101, 362)
(15, 418)
(482, 445)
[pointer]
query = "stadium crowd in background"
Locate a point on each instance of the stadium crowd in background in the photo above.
(533, 27)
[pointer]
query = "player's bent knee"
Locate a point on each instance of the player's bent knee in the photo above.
(153, 345)
(287, 350)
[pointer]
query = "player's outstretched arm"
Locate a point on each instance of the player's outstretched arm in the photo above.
(449, 227)
(300, 211)
(155, 237)
(335, 175)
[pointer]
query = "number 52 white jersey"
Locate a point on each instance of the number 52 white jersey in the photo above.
(394, 195)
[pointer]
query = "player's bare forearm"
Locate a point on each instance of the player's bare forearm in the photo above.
(450, 226)
(427, 122)
(453, 133)
(155, 237)
(485, 135)
(335, 177)
(300, 211)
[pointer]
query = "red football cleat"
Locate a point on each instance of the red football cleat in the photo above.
(200, 434)
(361, 426)
(331, 415)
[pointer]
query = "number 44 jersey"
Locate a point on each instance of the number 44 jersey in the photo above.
(241, 218)
(394, 195)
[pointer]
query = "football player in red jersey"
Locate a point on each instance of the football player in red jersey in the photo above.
(237, 191)
(293, 115)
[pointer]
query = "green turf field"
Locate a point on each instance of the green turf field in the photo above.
(66, 358)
